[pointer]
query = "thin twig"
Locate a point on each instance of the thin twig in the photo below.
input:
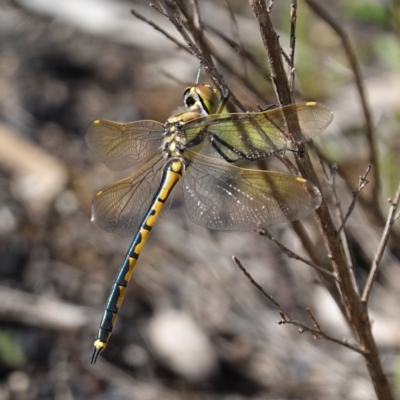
(293, 255)
(242, 77)
(355, 310)
(323, 14)
(285, 56)
(258, 286)
(236, 47)
(162, 12)
(279, 79)
(195, 27)
(204, 49)
(159, 29)
(293, 19)
(273, 49)
(313, 319)
(197, 52)
(236, 35)
(362, 182)
(172, 78)
(392, 216)
(196, 15)
(331, 181)
(376, 218)
(343, 237)
(286, 318)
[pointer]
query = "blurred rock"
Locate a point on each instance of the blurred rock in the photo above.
(37, 176)
(18, 383)
(182, 345)
(135, 356)
(8, 222)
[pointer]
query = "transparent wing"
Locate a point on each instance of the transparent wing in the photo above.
(121, 146)
(224, 197)
(120, 207)
(258, 135)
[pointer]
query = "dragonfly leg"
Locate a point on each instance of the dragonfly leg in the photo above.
(214, 142)
(222, 102)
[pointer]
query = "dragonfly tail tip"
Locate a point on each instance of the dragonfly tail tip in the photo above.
(95, 354)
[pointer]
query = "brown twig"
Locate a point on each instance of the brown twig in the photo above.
(196, 29)
(293, 19)
(196, 51)
(273, 50)
(280, 83)
(235, 29)
(355, 310)
(159, 29)
(362, 182)
(235, 46)
(291, 254)
(392, 216)
(251, 279)
(313, 319)
(228, 66)
(286, 318)
(343, 237)
(323, 14)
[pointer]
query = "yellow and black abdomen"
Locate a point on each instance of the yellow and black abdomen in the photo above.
(172, 172)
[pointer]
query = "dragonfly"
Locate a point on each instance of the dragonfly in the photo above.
(200, 144)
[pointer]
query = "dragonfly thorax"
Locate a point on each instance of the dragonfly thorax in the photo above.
(174, 144)
(176, 138)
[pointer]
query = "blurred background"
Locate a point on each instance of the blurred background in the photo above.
(191, 326)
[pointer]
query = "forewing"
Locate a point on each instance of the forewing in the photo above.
(258, 135)
(121, 146)
(224, 197)
(120, 207)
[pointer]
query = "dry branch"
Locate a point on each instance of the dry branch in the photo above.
(356, 311)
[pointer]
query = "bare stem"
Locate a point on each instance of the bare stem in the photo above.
(361, 184)
(295, 256)
(293, 19)
(161, 30)
(355, 310)
(323, 14)
(286, 318)
(392, 216)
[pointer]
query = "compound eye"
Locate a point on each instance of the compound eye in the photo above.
(189, 101)
(202, 99)
(189, 96)
(205, 92)
(208, 98)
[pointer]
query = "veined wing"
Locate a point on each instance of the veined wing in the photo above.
(121, 146)
(120, 207)
(224, 197)
(257, 135)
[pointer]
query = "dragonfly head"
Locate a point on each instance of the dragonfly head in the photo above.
(202, 99)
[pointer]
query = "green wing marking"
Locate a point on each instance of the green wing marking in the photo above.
(257, 135)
